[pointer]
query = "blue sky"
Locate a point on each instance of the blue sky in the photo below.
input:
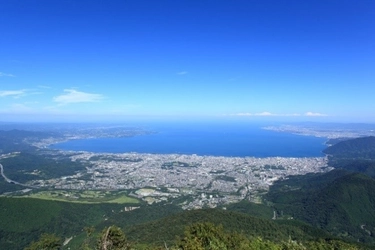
(113, 60)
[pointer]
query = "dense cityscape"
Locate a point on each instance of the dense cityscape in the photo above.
(210, 180)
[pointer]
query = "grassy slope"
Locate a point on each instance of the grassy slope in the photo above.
(83, 196)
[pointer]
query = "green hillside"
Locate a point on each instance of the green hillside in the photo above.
(18, 140)
(359, 148)
(166, 229)
(343, 204)
(355, 155)
(23, 220)
(20, 167)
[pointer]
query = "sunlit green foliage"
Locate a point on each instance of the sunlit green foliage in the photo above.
(46, 242)
(204, 236)
(89, 238)
(207, 236)
(113, 238)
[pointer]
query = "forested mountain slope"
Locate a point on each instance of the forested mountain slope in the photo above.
(340, 202)
(359, 148)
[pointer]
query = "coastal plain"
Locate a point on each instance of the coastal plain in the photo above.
(197, 181)
(188, 180)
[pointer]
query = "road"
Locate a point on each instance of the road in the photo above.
(6, 178)
(11, 181)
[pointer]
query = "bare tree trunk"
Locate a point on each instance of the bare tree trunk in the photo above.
(104, 240)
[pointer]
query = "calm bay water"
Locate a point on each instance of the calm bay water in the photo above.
(209, 139)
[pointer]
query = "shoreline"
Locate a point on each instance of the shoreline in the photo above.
(249, 150)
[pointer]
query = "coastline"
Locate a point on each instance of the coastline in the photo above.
(245, 142)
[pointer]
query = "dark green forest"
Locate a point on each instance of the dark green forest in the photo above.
(27, 220)
(19, 167)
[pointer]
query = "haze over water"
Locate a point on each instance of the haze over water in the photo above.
(203, 139)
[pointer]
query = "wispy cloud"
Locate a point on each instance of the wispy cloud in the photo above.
(273, 114)
(182, 73)
(17, 108)
(5, 74)
(13, 93)
(74, 96)
(263, 114)
(314, 114)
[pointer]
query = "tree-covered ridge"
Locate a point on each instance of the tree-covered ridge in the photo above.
(340, 202)
(359, 148)
(19, 140)
(27, 166)
(167, 228)
(355, 155)
(197, 236)
(22, 220)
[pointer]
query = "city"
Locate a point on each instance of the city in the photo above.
(210, 180)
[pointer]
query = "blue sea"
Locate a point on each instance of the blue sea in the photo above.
(231, 140)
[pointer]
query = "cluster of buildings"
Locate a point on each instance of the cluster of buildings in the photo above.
(208, 181)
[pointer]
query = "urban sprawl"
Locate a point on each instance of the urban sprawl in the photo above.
(210, 180)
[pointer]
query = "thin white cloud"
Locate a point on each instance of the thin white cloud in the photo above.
(13, 93)
(314, 114)
(16, 108)
(74, 96)
(263, 114)
(182, 73)
(19, 107)
(5, 74)
(242, 114)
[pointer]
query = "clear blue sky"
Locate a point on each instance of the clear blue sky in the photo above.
(84, 60)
